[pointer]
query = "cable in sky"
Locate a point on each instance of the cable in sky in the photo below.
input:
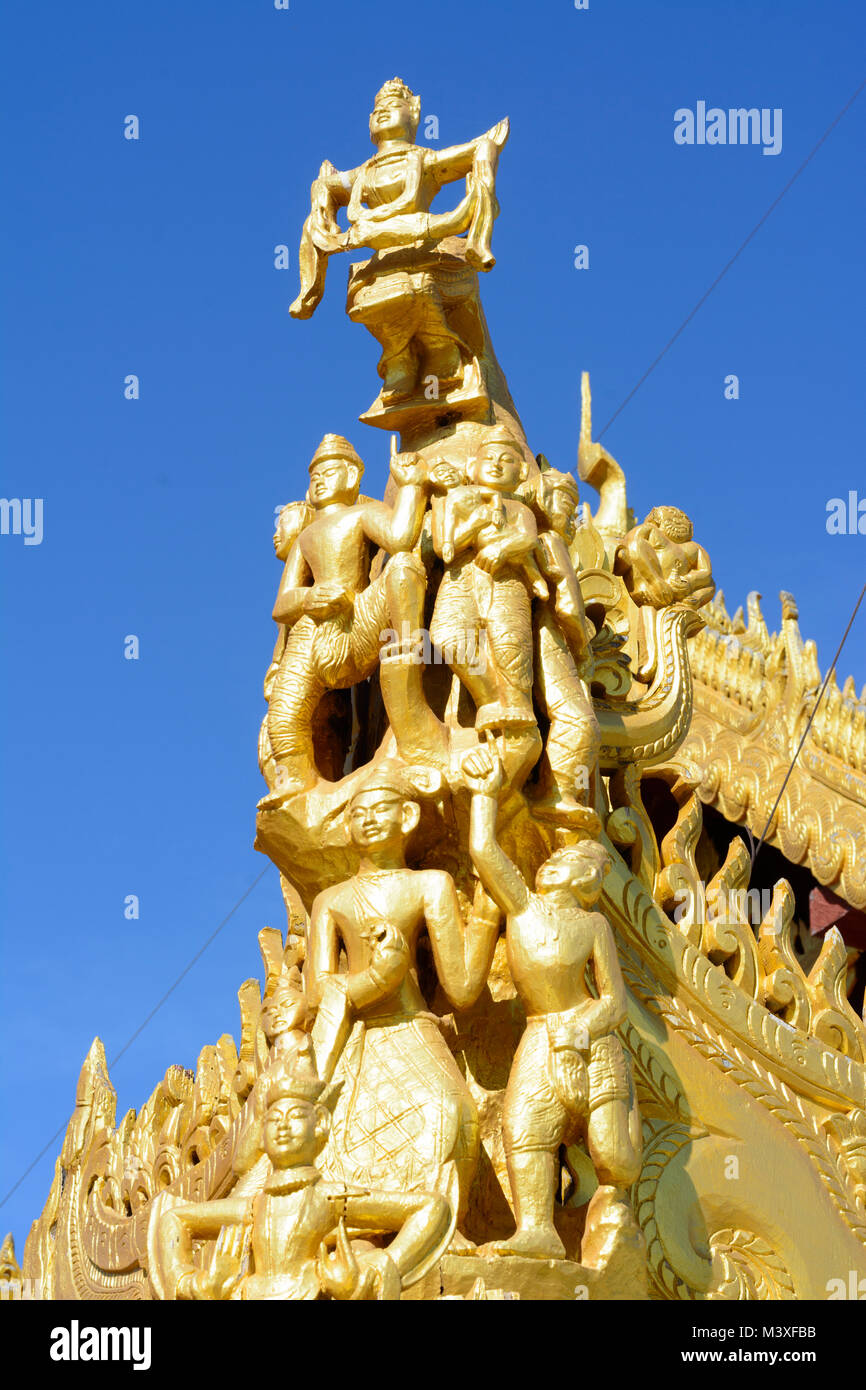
(723, 272)
(141, 1027)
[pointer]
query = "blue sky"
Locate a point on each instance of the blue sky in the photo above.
(156, 258)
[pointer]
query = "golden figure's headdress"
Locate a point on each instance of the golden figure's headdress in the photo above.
(335, 446)
(592, 850)
(301, 1082)
(500, 434)
(410, 783)
(288, 981)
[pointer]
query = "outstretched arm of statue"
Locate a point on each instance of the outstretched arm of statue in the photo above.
(422, 1221)
(331, 189)
(457, 160)
(462, 957)
(179, 1226)
(609, 1009)
(485, 776)
(294, 588)
(397, 528)
(477, 161)
(322, 235)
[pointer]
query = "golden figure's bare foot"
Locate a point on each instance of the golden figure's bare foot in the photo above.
(535, 1243)
(399, 384)
(461, 1245)
(566, 810)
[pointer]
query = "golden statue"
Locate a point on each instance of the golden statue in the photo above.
(285, 1020)
(569, 1071)
(479, 685)
(289, 1222)
(661, 563)
(413, 296)
(406, 1116)
(561, 645)
(291, 521)
(487, 537)
(333, 612)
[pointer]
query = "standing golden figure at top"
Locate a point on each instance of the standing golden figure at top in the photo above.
(478, 698)
(415, 294)
(389, 196)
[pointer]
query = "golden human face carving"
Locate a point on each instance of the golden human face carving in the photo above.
(380, 819)
(560, 508)
(293, 1133)
(282, 1011)
(392, 119)
(498, 466)
(333, 480)
(583, 875)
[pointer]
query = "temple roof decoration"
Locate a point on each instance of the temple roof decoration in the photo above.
(753, 694)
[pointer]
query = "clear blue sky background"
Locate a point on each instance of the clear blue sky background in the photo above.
(156, 258)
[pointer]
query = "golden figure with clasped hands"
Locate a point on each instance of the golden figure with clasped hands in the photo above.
(406, 1117)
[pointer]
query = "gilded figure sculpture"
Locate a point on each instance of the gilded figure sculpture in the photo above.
(661, 563)
(287, 1225)
(333, 611)
(411, 295)
(561, 644)
(570, 1074)
(487, 538)
(406, 1115)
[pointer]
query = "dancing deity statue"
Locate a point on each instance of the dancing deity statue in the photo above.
(570, 1074)
(410, 295)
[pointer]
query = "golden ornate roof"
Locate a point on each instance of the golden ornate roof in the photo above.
(753, 694)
